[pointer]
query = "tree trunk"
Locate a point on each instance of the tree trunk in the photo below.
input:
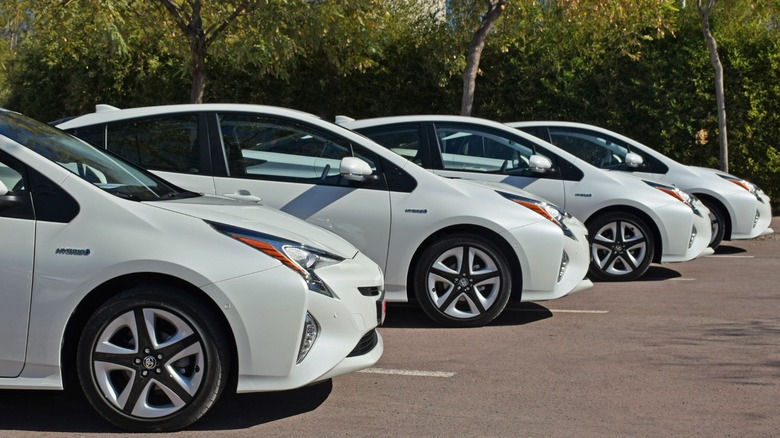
(198, 70)
(704, 13)
(495, 7)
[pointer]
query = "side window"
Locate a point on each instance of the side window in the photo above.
(590, 149)
(94, 135)
(11, 175)
(15, 203)
(603, 151)
(475, 150)
(263, 147)
(403, 140)
(168, 143)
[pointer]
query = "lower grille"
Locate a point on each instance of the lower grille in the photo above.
(365, 344)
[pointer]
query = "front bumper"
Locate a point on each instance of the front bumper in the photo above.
(751, 216)
(266, 311)
(541, 283)
(685, 234)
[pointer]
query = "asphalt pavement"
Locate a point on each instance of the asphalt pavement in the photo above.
(692, 349)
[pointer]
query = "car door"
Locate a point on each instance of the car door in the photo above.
(17, 240)
(295, 167)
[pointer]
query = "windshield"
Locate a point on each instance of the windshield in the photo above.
(98, 167)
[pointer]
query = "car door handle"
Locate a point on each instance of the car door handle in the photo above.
(243, 195)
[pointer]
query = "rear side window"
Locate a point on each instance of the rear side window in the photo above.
(168, 143)
(403, 140)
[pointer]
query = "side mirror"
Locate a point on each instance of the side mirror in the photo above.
(539, 163)
(3, 189)
(634, 160)
(355, 169)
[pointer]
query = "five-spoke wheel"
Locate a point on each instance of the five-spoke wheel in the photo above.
(462, 281)
(621, 247)
(151, 361)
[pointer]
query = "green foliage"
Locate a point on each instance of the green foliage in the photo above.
(639, 67)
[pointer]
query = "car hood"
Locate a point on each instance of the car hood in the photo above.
(259, 218)
(501, 187)
(706, 171)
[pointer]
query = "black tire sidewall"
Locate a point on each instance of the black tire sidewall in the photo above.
(716, 210)
(194, 313)
(431, 253)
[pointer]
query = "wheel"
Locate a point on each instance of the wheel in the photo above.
(152, 359)
(462, 281)
(621, 247)
(717, 221)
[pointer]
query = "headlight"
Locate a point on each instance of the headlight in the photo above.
(747, 185)
(296, 256)
(676, 193)
(546, 210)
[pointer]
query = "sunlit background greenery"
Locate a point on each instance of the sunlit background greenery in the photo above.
(638, 67)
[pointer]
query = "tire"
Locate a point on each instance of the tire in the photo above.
(152, 359)
(456, 294)
(621, 247)
(717, 221)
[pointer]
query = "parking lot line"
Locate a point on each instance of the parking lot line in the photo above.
(414, 373)
(563, 311)
(682, 279)
(727, 256)
(578, 311)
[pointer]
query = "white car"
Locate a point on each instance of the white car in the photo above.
(631, 222)
(463, 249)
(738, 208)
(156, 299)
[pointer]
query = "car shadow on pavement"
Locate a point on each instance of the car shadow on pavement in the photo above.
(69, 412)
(409, 315)
(49, 411)
(659, 273)
(242, 411)
(728, 250)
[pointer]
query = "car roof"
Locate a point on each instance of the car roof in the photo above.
(107, 113)
(379, 121)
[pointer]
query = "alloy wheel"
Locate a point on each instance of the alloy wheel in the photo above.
(621, 247)
(463, 280)
(148, 363)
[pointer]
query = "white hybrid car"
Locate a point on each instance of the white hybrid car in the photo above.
(738, 208)
(463, 249)
(631, 222)
(156, 299)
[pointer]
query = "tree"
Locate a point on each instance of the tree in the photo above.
(188, 17)
(13, 23)
(712, 45)
(494, 9)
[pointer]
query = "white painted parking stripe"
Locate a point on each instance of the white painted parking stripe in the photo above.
(564, 311)
(414, 373)
(726, 256)
(578, 311)
(682, 279)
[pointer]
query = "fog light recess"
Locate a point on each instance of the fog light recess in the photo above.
(564, 265)
(311, 330)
